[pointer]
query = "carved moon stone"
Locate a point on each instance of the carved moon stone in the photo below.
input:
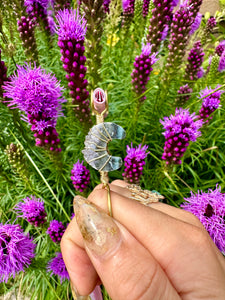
(96, 153)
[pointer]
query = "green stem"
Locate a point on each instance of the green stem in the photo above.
(183, 182)
(49, 284)
(45, 181)
(43, 178)
(4, 214)
(155, 157)
(176, 187)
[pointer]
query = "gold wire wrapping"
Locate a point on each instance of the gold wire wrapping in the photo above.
(109, 202)
(103, 175)
(145, 197)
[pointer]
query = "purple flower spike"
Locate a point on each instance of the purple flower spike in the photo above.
(142, 69)
(221, 66)
(56, 230)
(80, 176)
(71, 26)
(26, 30)
(145, 8)
(106, 4)
(39, 96)
(194, 6)
(180, 129)
(33, 210)
(71, 30)
(128, 12)
(134, 162)
(220, 48)
(195, 60)
(61, 4)
(16, 251)
(210, 25)
(57, 267)
(209, 208)
(161, 16)
(200, 72)
(3, 75)
(37, 10)
(209, 103)
(180, 28)
(184, 94)
(195, 25)
(165, 32)
(43, 3)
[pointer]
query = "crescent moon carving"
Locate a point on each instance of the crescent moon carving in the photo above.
(96, 153)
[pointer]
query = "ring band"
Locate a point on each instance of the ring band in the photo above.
(145, 197)
(108, 198)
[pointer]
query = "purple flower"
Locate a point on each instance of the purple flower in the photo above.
(195, 60)
(95, 16)
(194, 6)
(125, 4)
(16, 251)
(128, 12)
(134, 162)
(128, 7)
(26, 30)
(209, 208)
(80, 176)
(35, 92)
(33, 210)
(196, 23)
(165, 32)
(106, 4)
(42, 3)
(180, 28)
(161, 16)
(56, 230)
(221, 66)
(3, 75)
(57, 267)
(37, 10)
(142, 69)
(61, 4)
(71, 26)
(200, 72)
(210, 25)
(145, 8)
(210, 102)
(96, 294)
(71, 30)
(39, 96)
(220, 48)
(51, 21)
(184, 94)
(180, 129)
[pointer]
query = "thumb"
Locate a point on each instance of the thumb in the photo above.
(126, 268)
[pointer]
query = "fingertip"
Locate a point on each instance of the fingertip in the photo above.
(120, 183)
(99, 197)
(79, 266)
(116, 182)
(98, 187)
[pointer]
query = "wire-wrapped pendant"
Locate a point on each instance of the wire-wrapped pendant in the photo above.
(96, 152)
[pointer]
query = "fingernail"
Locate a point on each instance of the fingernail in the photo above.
(101, 234)
(76, 295)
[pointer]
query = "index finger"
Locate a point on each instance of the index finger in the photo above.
(171, 241)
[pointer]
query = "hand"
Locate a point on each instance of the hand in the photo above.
(143, 252)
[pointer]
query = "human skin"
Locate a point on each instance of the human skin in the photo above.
(157, 251)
